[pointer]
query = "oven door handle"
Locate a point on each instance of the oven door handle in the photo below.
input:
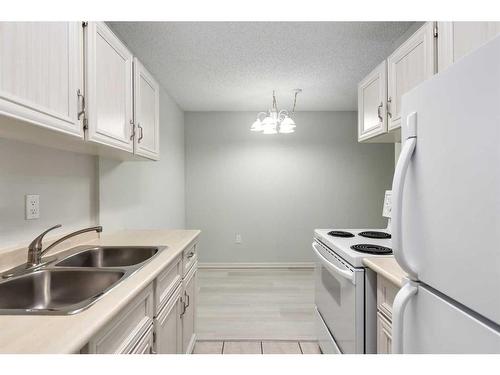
(332, 267)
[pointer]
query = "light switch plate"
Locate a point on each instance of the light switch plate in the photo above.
(32, 206)
(386, 211)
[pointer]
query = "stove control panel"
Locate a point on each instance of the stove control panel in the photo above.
(386, 211)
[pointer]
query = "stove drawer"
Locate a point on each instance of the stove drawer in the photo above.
(386, 292)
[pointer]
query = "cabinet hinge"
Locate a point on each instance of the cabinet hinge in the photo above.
(85, 24)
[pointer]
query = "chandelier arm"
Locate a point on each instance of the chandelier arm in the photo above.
(295, 100)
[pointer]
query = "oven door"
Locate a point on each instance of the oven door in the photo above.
(339, 298)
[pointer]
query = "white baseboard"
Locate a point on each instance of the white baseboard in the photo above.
(293, 265)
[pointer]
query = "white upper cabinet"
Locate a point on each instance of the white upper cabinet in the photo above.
(108, 88)
(146, 113)
(456, 39)
(372, 94)
(40, 74)
(412, 63)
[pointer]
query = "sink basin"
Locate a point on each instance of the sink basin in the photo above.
(105, 256)
(55, 291)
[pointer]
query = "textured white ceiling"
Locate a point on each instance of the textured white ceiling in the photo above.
(226, 66)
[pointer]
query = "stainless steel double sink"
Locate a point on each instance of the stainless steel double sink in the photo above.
(72, 283)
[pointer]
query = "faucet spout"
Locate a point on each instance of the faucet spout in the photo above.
(35, 249)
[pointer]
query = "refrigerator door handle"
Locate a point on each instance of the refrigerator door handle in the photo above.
(398, 184)
(398, 310)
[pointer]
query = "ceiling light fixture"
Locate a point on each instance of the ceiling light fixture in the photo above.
(274, 121)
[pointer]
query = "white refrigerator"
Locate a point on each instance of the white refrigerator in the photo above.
(446, 210)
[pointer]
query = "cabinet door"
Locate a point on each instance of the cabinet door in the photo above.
(145, 344)
(188, 317)
(457, 39)
(123, 333)
(40, 73)
(146, 112)
(413, 62)
(384, 335)
(168, 326)
(108, 88)
(372, 94)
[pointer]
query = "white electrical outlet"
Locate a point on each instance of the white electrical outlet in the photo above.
(238, 238)
(32, 206)
(386, 211)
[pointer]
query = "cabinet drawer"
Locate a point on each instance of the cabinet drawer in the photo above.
(166, 283)
(189, 257)
(386, 292)
(145, 344)
(123, 332)
(384, 335)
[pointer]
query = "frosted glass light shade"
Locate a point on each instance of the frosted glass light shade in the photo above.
(287, 129)
(256, 126)
(288, 122)
(269, 125)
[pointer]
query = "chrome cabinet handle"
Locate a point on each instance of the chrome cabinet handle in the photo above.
(379, 108)
(389, 101)
(190, 255)
(188, 299)
(183, 307)
(141, 134)
(81, 98)
(132, 133)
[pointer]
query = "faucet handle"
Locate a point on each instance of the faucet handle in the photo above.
(35, 246)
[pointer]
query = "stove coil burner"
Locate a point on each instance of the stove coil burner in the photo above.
(374, 234)
(340, 233)
(372, 249)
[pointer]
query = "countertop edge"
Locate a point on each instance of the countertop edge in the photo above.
(397, 280)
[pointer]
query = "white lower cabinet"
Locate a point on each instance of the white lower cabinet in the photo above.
(124, 333)
(168, 326)
(386, 292)
(189, 311)
(160, 320)
(145, 344)
(384, 335)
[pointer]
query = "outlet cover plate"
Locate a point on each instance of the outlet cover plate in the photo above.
(32, 206)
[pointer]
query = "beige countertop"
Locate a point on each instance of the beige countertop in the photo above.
(69, 333)
(386, 267)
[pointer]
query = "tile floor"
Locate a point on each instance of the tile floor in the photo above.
(256, 347)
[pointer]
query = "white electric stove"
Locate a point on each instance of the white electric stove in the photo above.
(345, 290)
(356, 247)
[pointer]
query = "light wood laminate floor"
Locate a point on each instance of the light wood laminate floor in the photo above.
(256, 347)
(255, 304)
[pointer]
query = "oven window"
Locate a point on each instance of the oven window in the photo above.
(331, 284)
